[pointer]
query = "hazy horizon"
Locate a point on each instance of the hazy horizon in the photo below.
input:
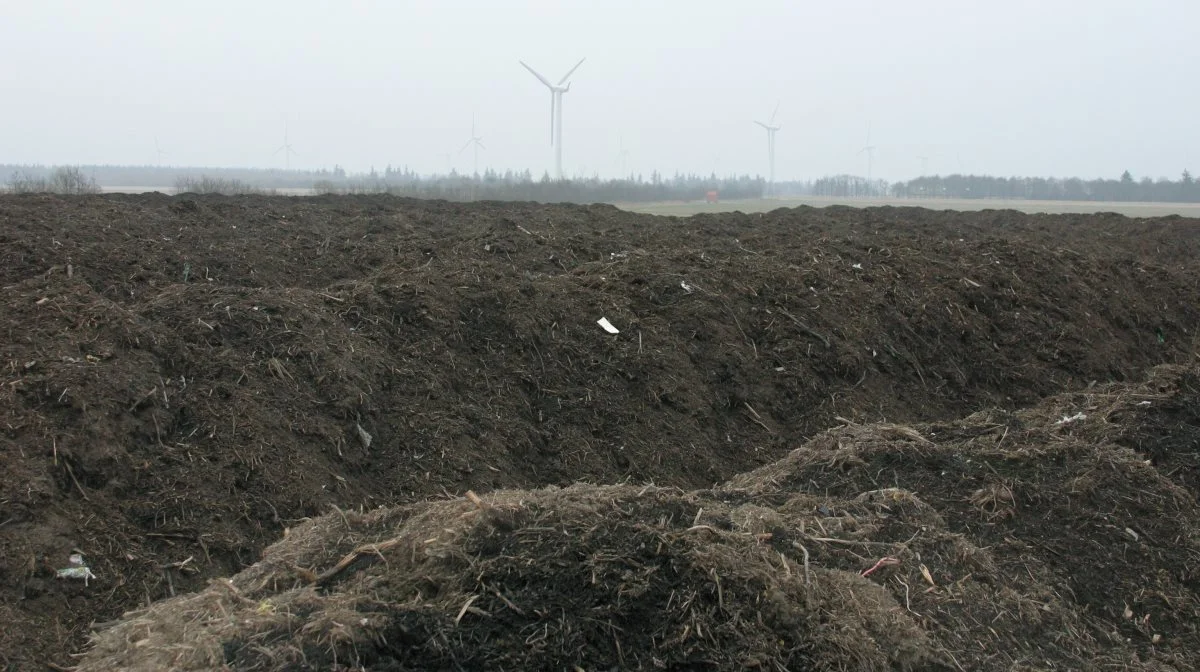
(1028, 88)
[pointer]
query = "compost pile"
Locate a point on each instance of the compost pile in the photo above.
(186, 377)
(1027, 540)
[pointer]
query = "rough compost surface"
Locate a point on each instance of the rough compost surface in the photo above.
(1005, 541)
(186, 377)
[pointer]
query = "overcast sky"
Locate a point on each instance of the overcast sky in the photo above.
(1021, 87)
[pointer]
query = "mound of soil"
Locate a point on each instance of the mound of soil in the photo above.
(187, 376)
(1004, 541)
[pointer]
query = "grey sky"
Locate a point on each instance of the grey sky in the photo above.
(1049, 87)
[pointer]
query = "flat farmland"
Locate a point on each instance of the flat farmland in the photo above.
(683, 209)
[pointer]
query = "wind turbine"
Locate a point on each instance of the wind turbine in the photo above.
(477, 141)
(771, 130)
(556, 94)
(870, 151)
(924, 165)
(622, 156)
(287, 150)
(158, 153)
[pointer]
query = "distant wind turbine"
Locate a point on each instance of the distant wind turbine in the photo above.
(622, 156)
(158, 153)
(869, 149)
(477, 141)
(924, 165)
(287, 150)
(771, 129)
(556, 94)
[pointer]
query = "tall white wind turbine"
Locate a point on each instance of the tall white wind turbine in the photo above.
(158, 152)
(869, 149)
(556, 94)
(475, 141)
(771, 128)
(287, 150)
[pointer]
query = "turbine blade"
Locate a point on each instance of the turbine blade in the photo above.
(551, 118)
(763, 125)
(464, 147)
(535, 74)
(560, 82)
(775, 112)
(480, 143)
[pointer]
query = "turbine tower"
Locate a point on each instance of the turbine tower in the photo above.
(870, 151)
(477, 141)
(158, 152)
(287, 150)
(622, 156)
(771, 128)
(924, 165)
(556, 94)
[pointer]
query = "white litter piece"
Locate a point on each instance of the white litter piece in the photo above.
(858, 266)
(603, 322)
(363, 437)
(77, 570)
(686, 287)
(1068, 419)
(1143, 403)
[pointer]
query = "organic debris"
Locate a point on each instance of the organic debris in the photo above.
(807, 563)
(191, 377)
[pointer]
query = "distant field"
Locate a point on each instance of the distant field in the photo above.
(681, 209)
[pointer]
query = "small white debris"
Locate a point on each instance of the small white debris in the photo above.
(1068, 419)
(1131, 533)
(858, 266)
(77, 570)
(363, 437)
(686, 287)
(1143, 403)
(603, 322)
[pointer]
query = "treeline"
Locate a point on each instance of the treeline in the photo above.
(521, 186)
(490, 185)
(1124, 188)
(524, 186)
(166, 177)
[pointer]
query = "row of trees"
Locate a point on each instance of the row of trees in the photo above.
(522, 185)
(510, 186)
(62, 180)
(1126, 188)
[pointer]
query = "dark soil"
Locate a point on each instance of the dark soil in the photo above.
(185, 377)
(1005, 541)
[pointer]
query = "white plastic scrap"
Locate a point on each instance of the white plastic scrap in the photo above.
(603, 322)
(686, 287)
(858, 266)
(77, 570)
(1067, 419)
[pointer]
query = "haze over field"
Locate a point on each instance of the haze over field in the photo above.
(1026, 88)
